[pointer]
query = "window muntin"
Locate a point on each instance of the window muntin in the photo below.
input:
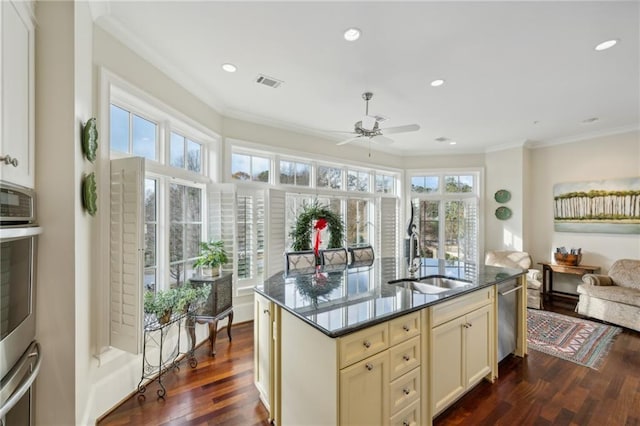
(250, 167)
(329, 177)
(295, 173)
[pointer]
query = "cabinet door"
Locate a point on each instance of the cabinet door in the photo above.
(262, 336)
(364, 391)
(16, 122)
(447, 365)
(479, 344)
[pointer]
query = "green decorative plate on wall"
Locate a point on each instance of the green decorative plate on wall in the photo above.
(502, 196)
(90, 194)
(503, 213)
(90, 140)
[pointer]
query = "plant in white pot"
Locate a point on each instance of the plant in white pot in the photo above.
(212, 257)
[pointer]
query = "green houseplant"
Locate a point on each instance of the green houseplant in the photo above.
(190, 296)
(212, 256)
(160, 304)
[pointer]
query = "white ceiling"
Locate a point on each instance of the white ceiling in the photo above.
(514, 71)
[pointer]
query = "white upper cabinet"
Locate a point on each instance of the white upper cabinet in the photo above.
(17, 93)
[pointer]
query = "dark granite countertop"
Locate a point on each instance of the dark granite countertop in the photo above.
(340, 300)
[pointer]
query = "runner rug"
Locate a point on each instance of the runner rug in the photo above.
(573, 339)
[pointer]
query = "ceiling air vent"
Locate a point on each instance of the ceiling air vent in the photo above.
(268, 81)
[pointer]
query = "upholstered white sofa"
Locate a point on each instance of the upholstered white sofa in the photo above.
(614, 297)
(519, 260)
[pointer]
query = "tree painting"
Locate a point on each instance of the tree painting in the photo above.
(610, 206)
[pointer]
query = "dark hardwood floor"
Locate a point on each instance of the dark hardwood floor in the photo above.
(537, 390)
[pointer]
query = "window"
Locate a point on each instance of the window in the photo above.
(185, 231)
(295, 173)
(250, 167)
(385, 184)
(150, 234)
(357, 181)
(447, 215)
(182, 148)
(358, 223)
(329, 177)
(141, 141)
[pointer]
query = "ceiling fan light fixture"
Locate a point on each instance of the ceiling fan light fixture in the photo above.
(606, 45)
(437, 83)
(352, 34)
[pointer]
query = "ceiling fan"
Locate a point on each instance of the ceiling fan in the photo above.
(369, 127)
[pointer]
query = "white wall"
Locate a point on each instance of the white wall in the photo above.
(59, 212)
(610, 157)
(504, 171)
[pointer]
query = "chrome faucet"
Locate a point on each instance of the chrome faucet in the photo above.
(414, 247)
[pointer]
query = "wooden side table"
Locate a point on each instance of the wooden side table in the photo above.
(219, 306)
(547, 276)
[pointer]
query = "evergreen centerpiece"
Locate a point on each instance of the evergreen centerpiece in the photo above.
(321, 214)
(212, 256)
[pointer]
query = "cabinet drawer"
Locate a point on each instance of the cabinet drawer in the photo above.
(460, 306)
(405, 357)
(403, 328)
(409, 416)
(404, 390)
(361, 344)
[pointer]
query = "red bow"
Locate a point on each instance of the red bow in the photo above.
(319, 226)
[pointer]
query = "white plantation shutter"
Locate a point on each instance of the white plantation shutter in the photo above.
(387, 227)
(127, 253)
(276, 231)
(470, 240)
(222, 213)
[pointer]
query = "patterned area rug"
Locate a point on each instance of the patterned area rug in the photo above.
(574, 339)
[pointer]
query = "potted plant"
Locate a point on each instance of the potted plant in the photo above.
(212, 256)
(160, 304)
(191, 297)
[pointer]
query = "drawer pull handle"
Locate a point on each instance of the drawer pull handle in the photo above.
(367, 344)
(369, 366)
(469, 325)
(406, 327)
(406, 357)
(406, 391)
(266, 311)
(406, 423)
(9, 161)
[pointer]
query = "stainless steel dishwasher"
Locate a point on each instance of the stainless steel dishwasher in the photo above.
(507, 317)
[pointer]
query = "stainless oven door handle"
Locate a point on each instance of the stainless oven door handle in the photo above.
(18, 384)
(26, 231)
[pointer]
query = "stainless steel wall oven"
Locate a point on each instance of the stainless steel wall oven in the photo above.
(19, 353)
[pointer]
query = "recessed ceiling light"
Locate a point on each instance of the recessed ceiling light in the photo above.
(229, 67)
(352, 34)
(436, 83)
(606, 45)
(453, 143)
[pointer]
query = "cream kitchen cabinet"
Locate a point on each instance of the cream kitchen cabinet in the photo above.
(17, 93)
(265, 335)
(360, 378)
(462, 347)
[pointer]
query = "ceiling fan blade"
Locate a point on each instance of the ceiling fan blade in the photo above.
(401, 129)
(382, 140)
(348, 140)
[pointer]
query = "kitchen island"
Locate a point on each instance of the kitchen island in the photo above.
(362, 344)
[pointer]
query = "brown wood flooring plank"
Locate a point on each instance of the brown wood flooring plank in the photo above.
(539, 390)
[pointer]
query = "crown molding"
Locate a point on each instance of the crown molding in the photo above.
(584, 136)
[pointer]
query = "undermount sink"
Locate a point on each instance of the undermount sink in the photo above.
(432, 284)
